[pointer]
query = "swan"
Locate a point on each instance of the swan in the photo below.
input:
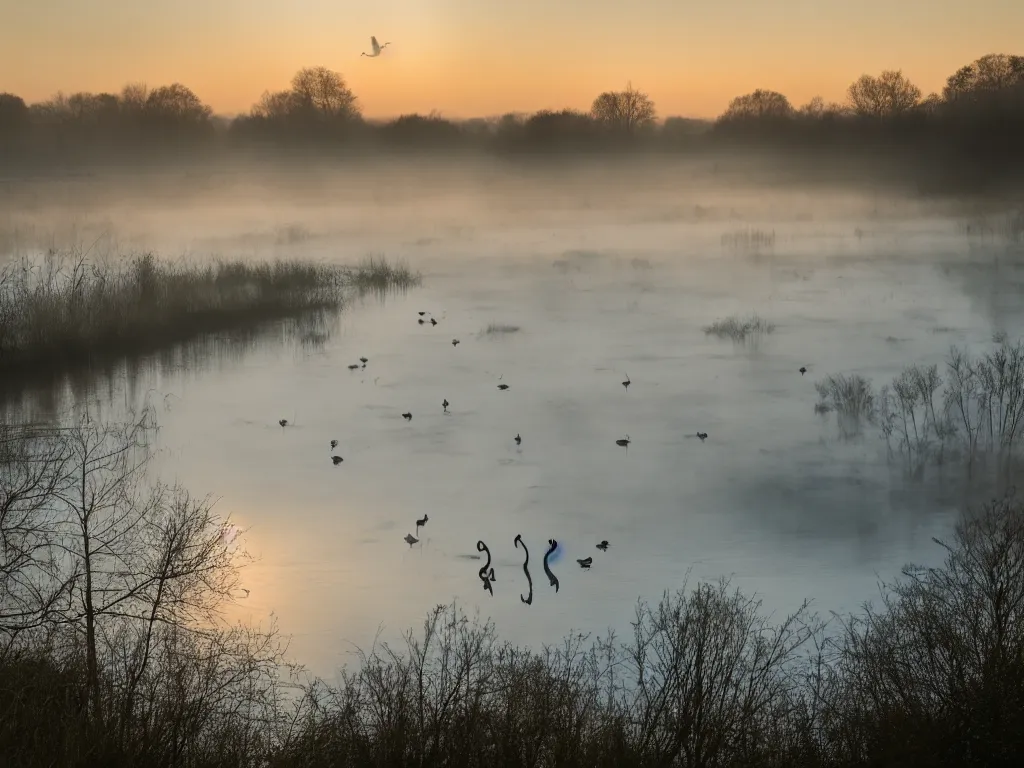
(552, 546)
(526, 570)
(624, 442)
(377, 48)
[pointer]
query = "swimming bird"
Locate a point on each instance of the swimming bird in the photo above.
(337, 460)
(364, 361)
(455, 342)
(519, 440)
(486, 573)
(585, 563)
(421, 321)
(353, 366)
(703, 436)
(421, 522)
(334, 444)
(526, 569)
(626, 383)
(552, 579)
(603, 546)
(445, 405)
(623, 441)
(803, 369)
(421, 314)
(283, 422)
(410, 539)
(407, 416)
(503, 387)
(433, 321)
(377, 48)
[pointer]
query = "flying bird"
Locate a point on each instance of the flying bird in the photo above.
(433, 321)
(585, 563)
(337, 460)
(421, 314)
(410, 539)
(377, 48)
(455, 342)
(603, 546)
(364, 360)
(283, 422)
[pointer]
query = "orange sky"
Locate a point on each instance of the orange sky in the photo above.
(483, 57)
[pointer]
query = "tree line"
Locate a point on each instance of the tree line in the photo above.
(979, 116)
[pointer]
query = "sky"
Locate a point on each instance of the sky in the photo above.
(477, 58)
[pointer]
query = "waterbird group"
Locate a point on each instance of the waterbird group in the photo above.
(486, 573)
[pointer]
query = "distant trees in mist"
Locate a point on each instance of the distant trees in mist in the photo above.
(977, 119)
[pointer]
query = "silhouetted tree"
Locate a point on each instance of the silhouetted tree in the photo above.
(888, 95)
(14, 115)
(992, 72)
(324, 91)
(759, 105)
(624, 111)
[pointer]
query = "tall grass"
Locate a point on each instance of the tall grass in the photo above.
(67, 310)
(740, 329)
(375, 274)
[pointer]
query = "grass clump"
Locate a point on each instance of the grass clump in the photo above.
(740, 329)
(497, 329)
(375, 274)
(849, 397)
(68, 310)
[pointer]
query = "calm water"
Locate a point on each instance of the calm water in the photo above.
(773, 498)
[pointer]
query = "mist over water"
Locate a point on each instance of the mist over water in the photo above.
(600, 280)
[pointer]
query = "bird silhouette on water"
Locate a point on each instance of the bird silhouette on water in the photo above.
(353, 366)
(603, 546)
(623, 441)
(407, 416)
(334, 444)
(337, 460)
(445, 405)
(421, 321)
(410, 539)
(455, 342)
(421, 522)
(364, 361)
(703, 436)
(503, 387)
(626, 383)
(803, 369)
(519, 440)
(585, 563)
(433, 321)
(283, 422)
(421, 314)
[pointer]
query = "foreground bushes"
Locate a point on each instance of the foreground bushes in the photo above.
(112, 653)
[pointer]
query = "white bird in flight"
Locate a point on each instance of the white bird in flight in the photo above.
(377, 47)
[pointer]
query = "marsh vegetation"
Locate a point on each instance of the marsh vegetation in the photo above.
(66, 309)
(740, 329)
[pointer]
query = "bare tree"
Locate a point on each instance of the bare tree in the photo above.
(34, 463)
(624, 111)
(177, 104)
(991, 72)
(888, 95)
(324, 91)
